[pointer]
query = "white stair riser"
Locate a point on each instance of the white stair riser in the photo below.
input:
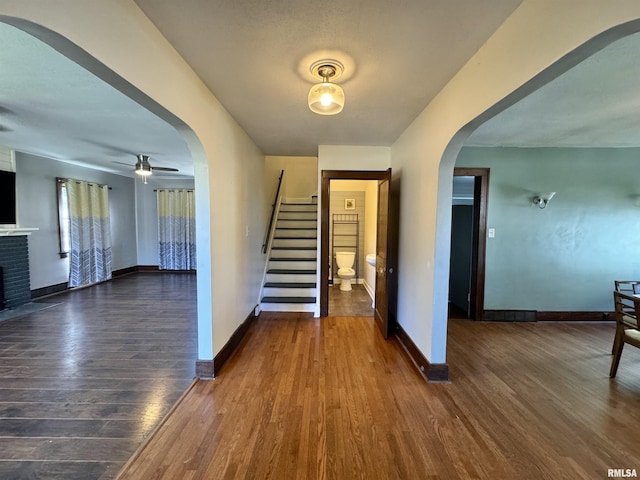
(297, 233)
(288, 242)
(288, 292)
(291, 278)
(287, 307)
(309, 264)
(284, 215)
(296, 223)
(311, 207)
(306, 254)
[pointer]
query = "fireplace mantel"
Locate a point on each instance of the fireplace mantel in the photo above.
(13, 231)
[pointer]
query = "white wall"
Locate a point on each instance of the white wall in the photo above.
(523, 54)
(147, 215)
(37, 207)
(117, 37)
(350, 157)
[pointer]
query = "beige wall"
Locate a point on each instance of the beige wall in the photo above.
(301, 177)
(370, 229)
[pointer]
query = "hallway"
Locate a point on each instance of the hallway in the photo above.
(328, 398)
(86, 380)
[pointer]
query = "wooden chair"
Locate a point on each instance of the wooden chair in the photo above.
(627, 312)
(627, 286)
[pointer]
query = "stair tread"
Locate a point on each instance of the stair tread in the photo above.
(291, 271)
(294, 248)
(289, 285)
(300, 211)
(295, 238)
(289, 299)
(296, 228)
(306, 204)
(292, 259)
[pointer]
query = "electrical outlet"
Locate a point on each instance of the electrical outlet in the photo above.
(492, 233)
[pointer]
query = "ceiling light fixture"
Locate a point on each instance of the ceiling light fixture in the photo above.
(326, 98)
(543, 199)
(143, 167)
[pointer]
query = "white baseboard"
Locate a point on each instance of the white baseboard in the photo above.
(371, 293)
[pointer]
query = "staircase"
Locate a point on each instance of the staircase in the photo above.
(290, 280)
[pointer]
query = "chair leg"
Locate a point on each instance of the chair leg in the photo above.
(618, 345)
(616, 339)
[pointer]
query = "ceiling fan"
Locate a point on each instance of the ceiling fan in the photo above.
(144, 168)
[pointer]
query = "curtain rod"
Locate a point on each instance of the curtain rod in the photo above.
(61, 179)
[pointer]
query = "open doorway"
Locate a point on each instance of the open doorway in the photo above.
(383, 270)
(353, 219)
(468, 241)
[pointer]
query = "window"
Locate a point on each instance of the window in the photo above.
(63, 218)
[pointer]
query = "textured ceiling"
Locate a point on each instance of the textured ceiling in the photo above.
(594, 104)
(255, 55)
(52, 107)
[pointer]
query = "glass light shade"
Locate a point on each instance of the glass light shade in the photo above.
(143, 170)
(326, 98)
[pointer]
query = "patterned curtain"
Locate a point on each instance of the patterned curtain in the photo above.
(177, 229)
(90, 233)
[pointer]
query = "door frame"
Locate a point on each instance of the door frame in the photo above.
(479, 245)
(326, 177)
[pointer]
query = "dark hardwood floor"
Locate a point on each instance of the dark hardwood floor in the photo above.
(84, 382)
(328, 398)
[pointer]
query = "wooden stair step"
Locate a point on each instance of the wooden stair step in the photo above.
(295, 238)
(289, 300)
(293, 272)
(294, 248)
(292, 259)
(299, 211)
(296, 228)
(289, 285)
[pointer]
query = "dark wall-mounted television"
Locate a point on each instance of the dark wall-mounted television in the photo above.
(7, 198)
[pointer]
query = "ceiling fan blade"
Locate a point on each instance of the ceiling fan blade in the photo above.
(165, 169)
(122, 163)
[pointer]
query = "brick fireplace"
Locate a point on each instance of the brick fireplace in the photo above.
(14, 263)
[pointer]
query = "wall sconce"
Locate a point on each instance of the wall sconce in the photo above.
(543, 199)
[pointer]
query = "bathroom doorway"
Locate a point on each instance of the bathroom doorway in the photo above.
(376, 273)
(353, 218)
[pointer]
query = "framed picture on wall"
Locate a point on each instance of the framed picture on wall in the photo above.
(349, 203)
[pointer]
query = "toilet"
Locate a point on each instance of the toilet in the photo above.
(345, 270)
